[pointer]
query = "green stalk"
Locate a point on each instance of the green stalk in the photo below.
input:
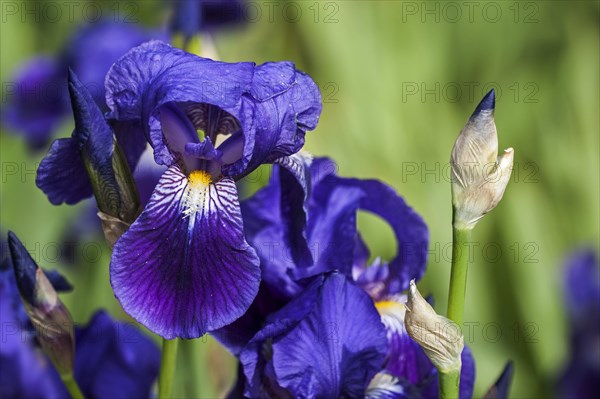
(71, 384)
(448, 383)
(167, 368)
(458, 276)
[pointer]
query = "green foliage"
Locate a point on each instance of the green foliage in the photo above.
(397, 88)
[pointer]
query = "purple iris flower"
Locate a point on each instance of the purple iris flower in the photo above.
(38, 100)
(193, 16)
(112, 359)
(581, 378)
(184, 267)
(328, 342)
(303, 224)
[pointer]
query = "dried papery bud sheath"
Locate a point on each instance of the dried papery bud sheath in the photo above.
(106, 165)
(49, 316)
(112, 227)
(479, 175)
(440, 338)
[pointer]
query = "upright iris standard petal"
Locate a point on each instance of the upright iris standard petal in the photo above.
(264, 110)
(184, 267)
(275, 224)
(332, 227)
(156, 74)
(375, 197)
(287, 103)
(329, 230)
(326, 343)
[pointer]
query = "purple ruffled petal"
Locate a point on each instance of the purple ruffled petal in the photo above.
(409, 228)
(114, 359)
(154, 74)
(294, 179)
(131, 138)
(184, 268)
(146, 175)
(61, 174)
(328, 342)
(275, 224)
(272, 105)
(289, 104)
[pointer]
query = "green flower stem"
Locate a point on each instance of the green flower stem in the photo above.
(71, 384)
(458, 276)
(448, 383)
(167, 368)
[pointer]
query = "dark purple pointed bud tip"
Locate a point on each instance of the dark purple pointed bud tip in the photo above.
(501, 387)
(506, 376)
(487, 103)
(76, 89)
(24, 266)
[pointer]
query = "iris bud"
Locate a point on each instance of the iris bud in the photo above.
(49, 316)
(501, 387)
(440, 338)
(479, 175)
(106, 165)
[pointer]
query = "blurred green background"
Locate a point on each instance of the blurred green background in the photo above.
(399, 80)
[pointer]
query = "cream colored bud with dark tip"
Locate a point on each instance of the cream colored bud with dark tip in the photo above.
(479, 175)
(440, 338)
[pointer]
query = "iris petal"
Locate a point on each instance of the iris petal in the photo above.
(115, 352)
(184, 267)
(386, 386)
(409, 228)
(328, 342)
(273, 105)
(178, 131)
(406, 359)
(376, 197)
(155, 74)
(276, 221)
(61, 174)
(289, 104)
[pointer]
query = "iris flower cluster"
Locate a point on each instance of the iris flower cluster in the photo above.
(284, 280)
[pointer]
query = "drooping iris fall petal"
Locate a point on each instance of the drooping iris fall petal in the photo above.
(184, 267)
